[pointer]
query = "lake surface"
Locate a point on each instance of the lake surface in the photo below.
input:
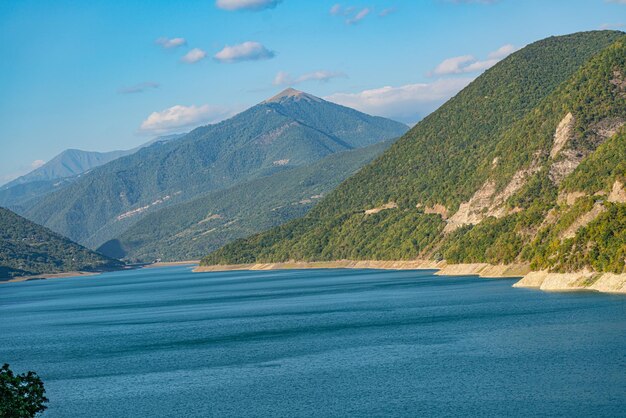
(168, 342)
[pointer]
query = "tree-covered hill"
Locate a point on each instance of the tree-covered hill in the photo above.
(287, 131)
(491, 176)
(28, 249)
(190, 230)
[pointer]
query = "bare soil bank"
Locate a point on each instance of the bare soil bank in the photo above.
(600, 282)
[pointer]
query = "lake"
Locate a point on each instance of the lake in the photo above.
(169, 342)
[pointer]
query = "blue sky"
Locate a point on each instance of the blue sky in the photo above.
(102, 75)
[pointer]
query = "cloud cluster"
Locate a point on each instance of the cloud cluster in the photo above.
(408, 103)
(254, 5)
(352, 14)
(138, 88)
(169, 43)
(469, 64)
(247, 51)
(178, 118)
(286, 79)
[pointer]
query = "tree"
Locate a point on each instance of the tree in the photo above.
(21, 395)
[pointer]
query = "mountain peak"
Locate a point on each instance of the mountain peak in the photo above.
(293, 94)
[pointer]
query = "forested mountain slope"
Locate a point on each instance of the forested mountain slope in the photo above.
(28, 249)
(291, 129)
(190, 230)
(525, 164)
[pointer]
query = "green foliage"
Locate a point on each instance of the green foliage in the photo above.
(27, 248)
(602, 168)
(600, 245)
(191, 230)
(500, 124)
(21, 395)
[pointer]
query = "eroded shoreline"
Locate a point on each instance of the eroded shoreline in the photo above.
(542, 280)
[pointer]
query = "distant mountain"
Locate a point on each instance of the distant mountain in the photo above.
(288, 130)
(60, 171)
(67, 164)
(525, 165)
(28, 249)
(190, 230)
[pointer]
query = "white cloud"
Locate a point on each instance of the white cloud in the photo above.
(407, 103)
(36, 164)
(359, 16)
(453, 65)
(247, 51)
(469, 64)
(178, 118)
(22, 170)
(284, 79)
(502, 52)
(387, 11)
(138, 88)
(246, 4)
(168, 43)
(606, 26)
(194, 56)
(352, 13)
(616, 1)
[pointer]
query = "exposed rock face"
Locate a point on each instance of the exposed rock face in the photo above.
(436, 209)
(567, 159)
(618, 193)
(606, 128)
(486, 202)
(619, 82)
(562, 135)
(569, 198)
(390, 205)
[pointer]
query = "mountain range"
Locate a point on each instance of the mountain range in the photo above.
(190, 230)
(289, 130)
(60, 171)
(525, 165)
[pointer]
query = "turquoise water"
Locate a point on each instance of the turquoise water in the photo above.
(168, 342)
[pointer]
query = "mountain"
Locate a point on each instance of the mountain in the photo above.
(288, 130)
(28, 249)
(189, 230)
(61, 171)
(524, 165)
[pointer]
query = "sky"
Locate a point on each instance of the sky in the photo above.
(102, 75)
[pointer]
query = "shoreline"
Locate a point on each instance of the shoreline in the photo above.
(443, 268)
(540, 280)
(170, 264)
(69, 274)
(65, 275)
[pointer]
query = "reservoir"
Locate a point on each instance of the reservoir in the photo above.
(169, 342)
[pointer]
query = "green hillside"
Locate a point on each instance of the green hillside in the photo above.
(289, 130)
(192, 229)
(27, 249)
(484, 178)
